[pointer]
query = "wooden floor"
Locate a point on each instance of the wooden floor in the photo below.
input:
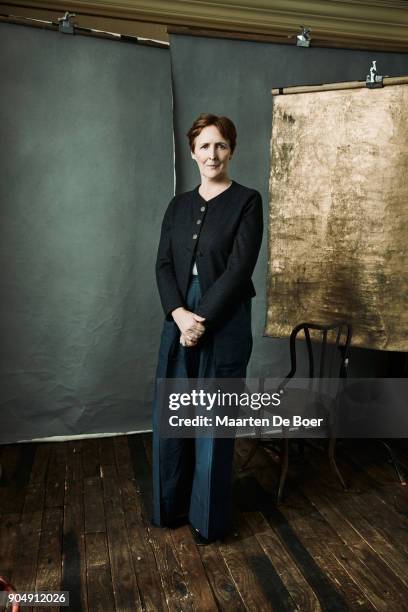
(75, 517)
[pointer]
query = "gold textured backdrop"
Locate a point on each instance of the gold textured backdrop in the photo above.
(338, 215)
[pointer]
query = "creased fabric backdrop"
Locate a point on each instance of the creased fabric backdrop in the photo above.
(338, 216)
(86, 156)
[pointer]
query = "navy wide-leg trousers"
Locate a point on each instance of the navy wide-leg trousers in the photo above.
(192, 476)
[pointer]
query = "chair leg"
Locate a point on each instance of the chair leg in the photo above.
(284, 468)
(250, 456)
(395, 463)
(333, 464)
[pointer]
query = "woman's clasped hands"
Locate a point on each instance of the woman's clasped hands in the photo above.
(190, 325)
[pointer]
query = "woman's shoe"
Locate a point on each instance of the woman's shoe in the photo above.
(198, 538)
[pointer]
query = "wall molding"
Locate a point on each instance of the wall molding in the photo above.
(378, 24)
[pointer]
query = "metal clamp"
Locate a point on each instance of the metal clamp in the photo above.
(303, 39)
(374, 80)
(66, 23)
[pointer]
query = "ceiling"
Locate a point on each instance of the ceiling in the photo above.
(379, 24)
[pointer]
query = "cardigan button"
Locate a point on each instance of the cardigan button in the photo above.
(198, 221)
(202, 208)
(195, 236)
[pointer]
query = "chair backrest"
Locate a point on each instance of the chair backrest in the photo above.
(327, 349)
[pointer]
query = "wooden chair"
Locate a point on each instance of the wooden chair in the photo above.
(326, 360)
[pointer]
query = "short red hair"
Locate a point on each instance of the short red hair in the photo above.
(223, 124)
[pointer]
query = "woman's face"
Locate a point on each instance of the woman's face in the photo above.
(212, 153)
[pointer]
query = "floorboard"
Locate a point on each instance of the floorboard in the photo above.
(76, 516)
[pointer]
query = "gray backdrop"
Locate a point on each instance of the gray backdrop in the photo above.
(235, 78)
(86, 158)
(86, 163)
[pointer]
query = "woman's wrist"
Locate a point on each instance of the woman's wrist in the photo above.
(177, 311)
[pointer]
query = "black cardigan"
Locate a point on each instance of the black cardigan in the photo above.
(223, 235)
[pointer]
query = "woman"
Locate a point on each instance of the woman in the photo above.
(209, 245)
